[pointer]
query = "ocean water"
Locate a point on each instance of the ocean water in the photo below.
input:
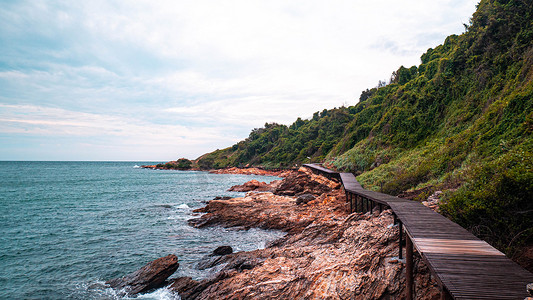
(67, 227)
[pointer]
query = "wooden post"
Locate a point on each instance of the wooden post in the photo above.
(409, 268)
(444, 295)
(400, 227)
(349, 198)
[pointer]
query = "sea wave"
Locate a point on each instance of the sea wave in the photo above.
(160, 294)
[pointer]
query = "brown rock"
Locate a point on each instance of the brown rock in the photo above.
(251, 171)
(304, 198)
(339, 258)
(326, 254)
(252, 185)
(223, 250)
(151, 276)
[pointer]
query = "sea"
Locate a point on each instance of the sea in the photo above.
(67, 227)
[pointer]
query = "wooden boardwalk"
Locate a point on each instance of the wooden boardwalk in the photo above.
(464, 266)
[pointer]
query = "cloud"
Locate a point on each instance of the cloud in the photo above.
(199, 70)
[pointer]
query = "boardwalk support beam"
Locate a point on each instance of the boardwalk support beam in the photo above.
(400, 242)
(409, 268)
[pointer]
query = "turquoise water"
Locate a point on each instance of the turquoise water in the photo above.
(66, 227)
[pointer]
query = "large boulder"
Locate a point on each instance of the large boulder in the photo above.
(252, 185)
(223, 250)
(152, 275)
(304, 198)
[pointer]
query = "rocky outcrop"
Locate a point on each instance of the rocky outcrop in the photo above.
(349, 257)
(254, 185)
(152, 275)
(252, 171)
(327, 253)
(268, 211)
(223, 250)
(276, 209)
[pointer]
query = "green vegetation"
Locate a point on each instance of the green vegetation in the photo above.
(180, 164)
(461, 122)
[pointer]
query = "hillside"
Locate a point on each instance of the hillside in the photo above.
(460, 122)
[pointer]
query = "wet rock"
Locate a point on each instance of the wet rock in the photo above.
(183, 285)
(304, 198)
(222, 198)
(151, 276)
(199, 222)
(223, 250)
(246, 263)
(189, 289)
(209, 261)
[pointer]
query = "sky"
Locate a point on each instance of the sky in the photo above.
(159, 80)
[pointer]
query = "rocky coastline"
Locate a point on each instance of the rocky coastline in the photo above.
(327, 253)
(175, 165)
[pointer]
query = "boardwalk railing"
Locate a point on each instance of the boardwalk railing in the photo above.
(464, 266)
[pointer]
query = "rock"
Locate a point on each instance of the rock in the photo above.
(303, 182)
(245, 263)
(151, 276)
(433, 201)
(210, 261)
(251, 171)
(223, 250)
(304, 198)
(327, 253)
(188, 288)
(219, 256)
(277, 210)
(222, 198)
(252, 185)
(336, 257)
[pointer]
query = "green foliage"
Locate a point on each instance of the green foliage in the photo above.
(496, 201)
(180, 164)
(276, 145)
(461, 121)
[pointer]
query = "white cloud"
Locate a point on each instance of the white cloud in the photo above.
(116, 131)
(202, 70)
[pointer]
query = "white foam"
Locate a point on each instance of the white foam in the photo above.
(183, 206)
(136, 167)
(160, 294)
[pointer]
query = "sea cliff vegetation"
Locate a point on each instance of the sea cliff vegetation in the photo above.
(460, 122)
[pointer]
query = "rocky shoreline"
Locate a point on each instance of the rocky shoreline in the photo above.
(327, 253)
(174, 165)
